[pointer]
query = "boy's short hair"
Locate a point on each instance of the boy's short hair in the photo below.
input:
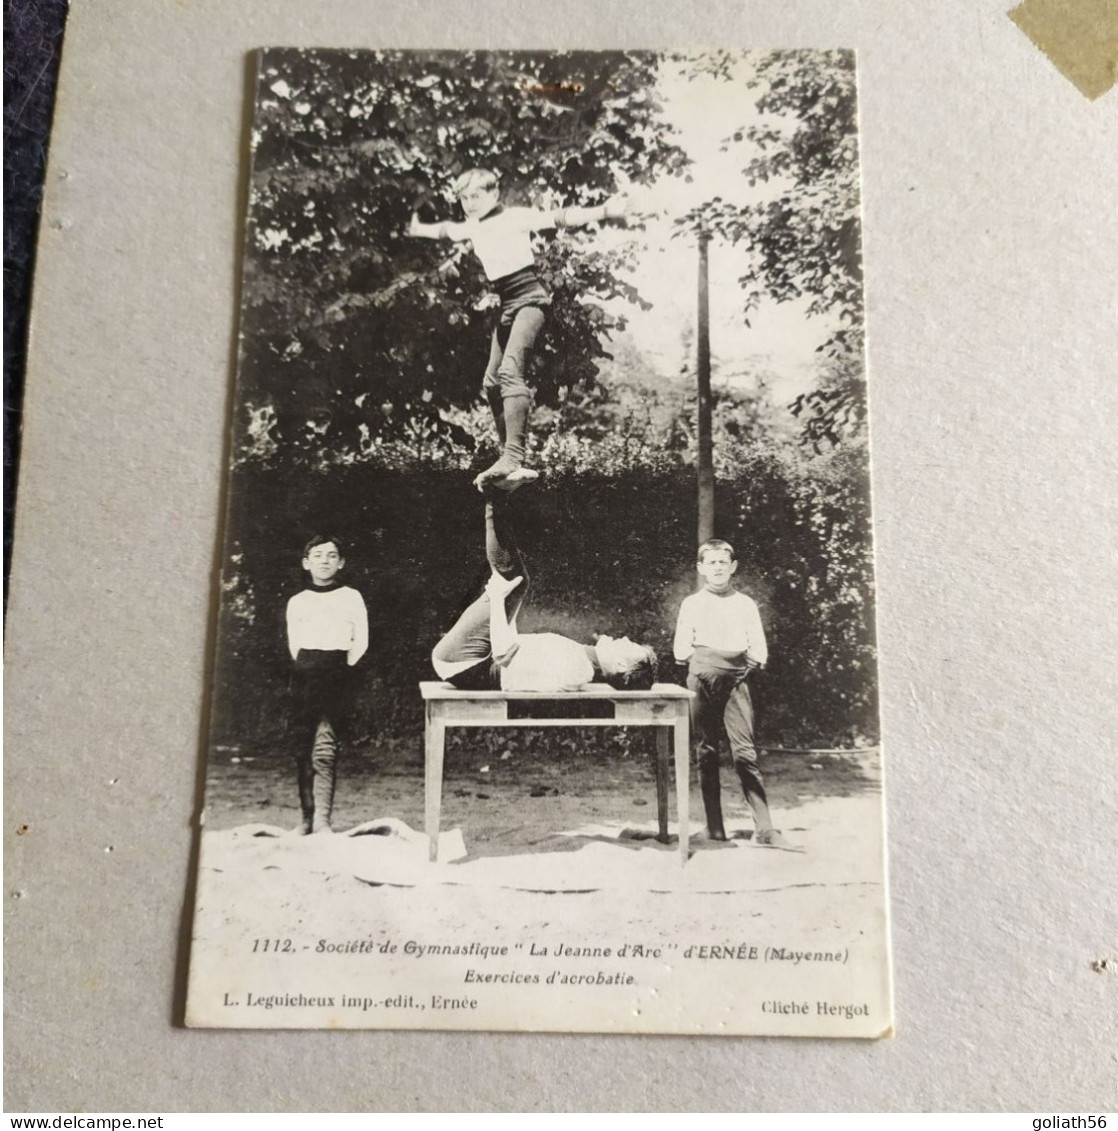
(482, 178)
(321, 540)
(712, 544)
(640, 677)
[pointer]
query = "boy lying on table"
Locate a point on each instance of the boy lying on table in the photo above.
(484, 651)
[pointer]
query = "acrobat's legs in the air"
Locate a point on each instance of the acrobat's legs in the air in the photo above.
(509, 397)
(464, 655)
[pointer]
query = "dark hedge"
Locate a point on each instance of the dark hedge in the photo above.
(606, 554)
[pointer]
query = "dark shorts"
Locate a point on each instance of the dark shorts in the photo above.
(321, 688)
(485, 675)
(518, 290)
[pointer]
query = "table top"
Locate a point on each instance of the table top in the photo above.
(435, 689)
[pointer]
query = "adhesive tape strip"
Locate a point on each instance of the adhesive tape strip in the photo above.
(1080, 37)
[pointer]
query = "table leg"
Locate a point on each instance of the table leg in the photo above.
(434, 742)
(682, 742)
(663, 742)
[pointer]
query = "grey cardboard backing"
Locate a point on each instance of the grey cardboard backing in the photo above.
(990, 240)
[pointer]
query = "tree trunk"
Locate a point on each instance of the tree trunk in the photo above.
(703, 424)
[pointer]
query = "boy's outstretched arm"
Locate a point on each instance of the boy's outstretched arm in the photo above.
(424, 231)
(447, 230)
(576, 217)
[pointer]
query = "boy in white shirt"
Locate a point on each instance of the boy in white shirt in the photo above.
(502, 239)
(484, 651)
(720, 637)
(327, 633)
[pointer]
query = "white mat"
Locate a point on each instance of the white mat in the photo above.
(838, 840)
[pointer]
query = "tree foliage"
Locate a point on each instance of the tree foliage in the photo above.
(803, 238)
(350, 334)
(609, 549)
(360, 361)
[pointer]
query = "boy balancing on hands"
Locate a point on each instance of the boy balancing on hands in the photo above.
(502, 239)
(720, 638)
(327, 633)
(484, 651)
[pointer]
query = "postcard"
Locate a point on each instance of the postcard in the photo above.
(546, 686)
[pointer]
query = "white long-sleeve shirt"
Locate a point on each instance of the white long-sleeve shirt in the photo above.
(546, 661)
(727, 623)
(503, 242)
(540, 661)
(328, 620)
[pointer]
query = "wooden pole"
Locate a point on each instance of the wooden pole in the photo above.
(703, 424)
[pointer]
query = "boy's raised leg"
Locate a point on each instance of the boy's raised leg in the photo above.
(515, 411)
(517, 478)
(501, 550)
(516, 341)
(470, 637)
(497, 408)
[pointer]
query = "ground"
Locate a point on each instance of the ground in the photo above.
(283, 919)
(516, 800)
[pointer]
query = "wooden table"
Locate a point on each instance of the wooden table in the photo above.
(664, 706)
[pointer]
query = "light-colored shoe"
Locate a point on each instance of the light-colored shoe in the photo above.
(521, 477)
(773, 838)
(505, 466)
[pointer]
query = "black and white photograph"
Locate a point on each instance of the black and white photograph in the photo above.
(545, 690)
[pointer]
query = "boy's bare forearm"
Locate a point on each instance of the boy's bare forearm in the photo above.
(426, 231)
(502, 636)
(360, 643)
(577, 217)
